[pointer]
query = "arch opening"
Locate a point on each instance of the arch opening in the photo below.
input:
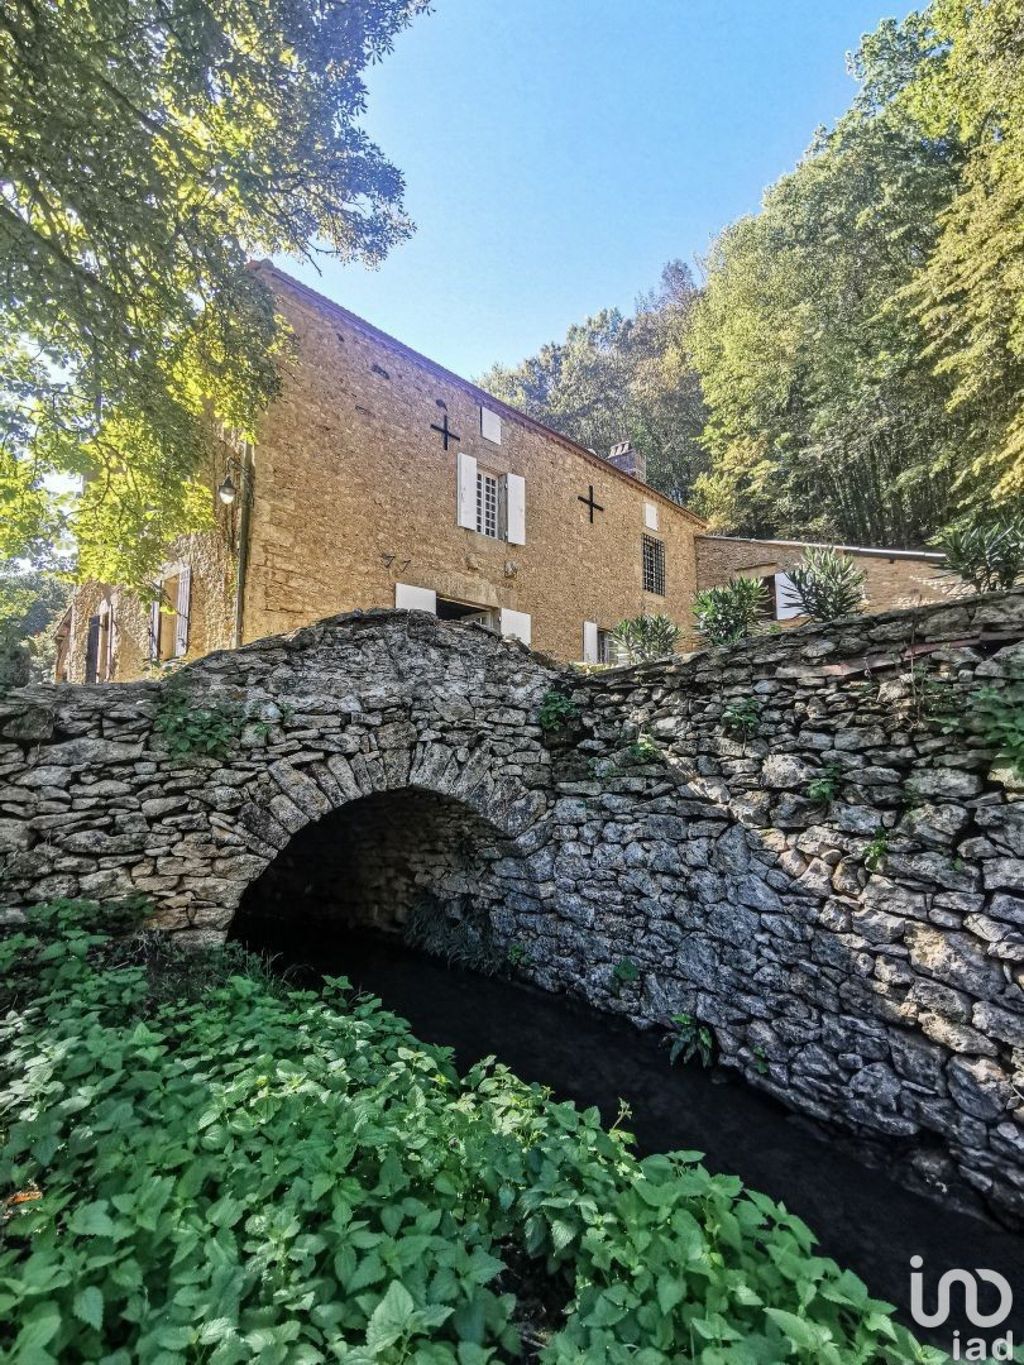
(411, 863)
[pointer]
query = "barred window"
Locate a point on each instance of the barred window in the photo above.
(654, 566)
(487, 504)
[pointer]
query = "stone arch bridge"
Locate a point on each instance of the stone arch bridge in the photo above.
(859, 953)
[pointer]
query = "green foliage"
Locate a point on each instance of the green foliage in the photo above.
(204, 731)
(825, 787)
(616, 377)
(558, 712)
(151, 149)
(986, 550)
(261, 1173)
(640, 638)
(997, 716)
(730, 613)
(742, 716)
(826, 584)
(625, 973)
(877, 850)
(644, 749)
(690, 1038)
(30, 605)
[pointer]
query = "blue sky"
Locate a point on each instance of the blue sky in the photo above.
(558, 152)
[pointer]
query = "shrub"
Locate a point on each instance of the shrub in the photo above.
(742, 716)
(188, 729)
(826, 584)
(729, 613)
(640, 638)
(997, 714)
(263, 1173)
(557, 712)
(824, 788)
(985, 551)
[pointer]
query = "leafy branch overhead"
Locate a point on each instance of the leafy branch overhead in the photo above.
(148, 148)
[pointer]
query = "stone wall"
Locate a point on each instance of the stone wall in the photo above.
(857, 948)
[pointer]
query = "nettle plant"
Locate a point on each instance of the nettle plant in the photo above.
(824, 788)
(205, 1164)
(558, 712)
(996, 715)
(742, 717)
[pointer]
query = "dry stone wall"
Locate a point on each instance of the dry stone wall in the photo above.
(837, 889)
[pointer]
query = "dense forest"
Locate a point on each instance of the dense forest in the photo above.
(851, 364)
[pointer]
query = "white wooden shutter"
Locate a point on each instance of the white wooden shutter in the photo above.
(408, 598)
(466, 491)
(515, 623)
(490, 426)
(154, 624)
(515, 509)
(591, 647)
(785, 607)
(184, 606)
(651, 515)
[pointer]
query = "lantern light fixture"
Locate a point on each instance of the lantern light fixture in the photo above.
(227, 491)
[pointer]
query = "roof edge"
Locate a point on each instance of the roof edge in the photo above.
(931, 556)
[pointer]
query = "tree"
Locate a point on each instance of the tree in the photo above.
(147, 149)
(618, 378)
(826, 419)
(969, 295)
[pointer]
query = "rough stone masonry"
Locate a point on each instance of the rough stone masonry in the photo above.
(802, 841)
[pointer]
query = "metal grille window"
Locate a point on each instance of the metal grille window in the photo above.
(654, 566)
(487, 504)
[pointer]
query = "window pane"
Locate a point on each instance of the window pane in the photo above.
(487, 504)
(654, 565)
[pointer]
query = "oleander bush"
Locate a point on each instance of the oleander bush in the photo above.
(226, 1169)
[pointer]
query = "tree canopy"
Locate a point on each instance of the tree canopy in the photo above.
(148, 148)
(617, 378)
(858, 343)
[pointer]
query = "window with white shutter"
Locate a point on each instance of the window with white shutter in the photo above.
(785, 605)
(515, 509)
(591, 644)
(651, 515)
(490, 426)
(466, 491)
(408, 598)
(170, 613)
(515, 623)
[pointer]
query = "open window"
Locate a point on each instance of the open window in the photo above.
(492, 504)
(168, 632)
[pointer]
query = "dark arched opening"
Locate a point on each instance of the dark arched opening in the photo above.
(410, 863)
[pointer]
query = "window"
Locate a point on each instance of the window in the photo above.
(168, 629)
(654, 566)
(490, 426)
(607, 653)
(493, 505)
(486, 504)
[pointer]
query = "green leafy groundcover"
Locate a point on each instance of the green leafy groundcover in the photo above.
(201, 1164)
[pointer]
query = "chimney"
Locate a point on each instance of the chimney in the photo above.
(623, 456)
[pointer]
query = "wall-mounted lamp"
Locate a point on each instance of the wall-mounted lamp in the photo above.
(227, 491)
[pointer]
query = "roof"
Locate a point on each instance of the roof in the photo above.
(878, 550)
(327, 305)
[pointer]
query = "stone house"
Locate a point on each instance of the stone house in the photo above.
(381, 479)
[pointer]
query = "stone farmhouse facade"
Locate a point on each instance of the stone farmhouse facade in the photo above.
(381, 479)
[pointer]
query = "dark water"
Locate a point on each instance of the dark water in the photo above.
(863, 1219)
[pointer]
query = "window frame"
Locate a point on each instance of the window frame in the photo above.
(488, 483)
(653, 565)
